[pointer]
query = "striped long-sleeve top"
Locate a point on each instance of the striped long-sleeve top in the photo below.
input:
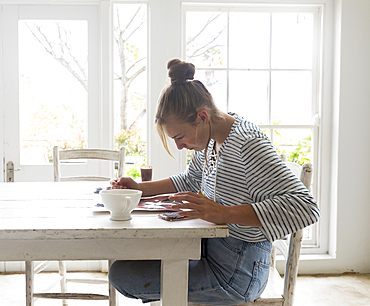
(248, 171)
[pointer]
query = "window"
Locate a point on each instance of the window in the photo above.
(262, 63)
(130, 82)
(50, 70)
(53, 87)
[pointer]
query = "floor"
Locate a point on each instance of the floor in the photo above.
(318, 290)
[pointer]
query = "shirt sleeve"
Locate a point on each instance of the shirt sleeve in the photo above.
(280, 200)
(191, 178)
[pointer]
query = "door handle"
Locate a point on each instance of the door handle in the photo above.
(10, 171)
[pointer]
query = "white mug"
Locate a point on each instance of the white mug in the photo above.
(120, 202)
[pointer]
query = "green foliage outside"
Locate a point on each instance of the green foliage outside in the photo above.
(46, 127)
(299, 155)
(189, 155)
(132, 140)
(301, 152)
(133, 171)
(135, 146)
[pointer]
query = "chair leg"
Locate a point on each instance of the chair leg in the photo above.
(29, 283)
(273, 257)
(291, 269)
(112, 290)
(63, 279)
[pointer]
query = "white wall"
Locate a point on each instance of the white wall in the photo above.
(352, 138)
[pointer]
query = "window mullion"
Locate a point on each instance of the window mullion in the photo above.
(269, 85)
(228, 61)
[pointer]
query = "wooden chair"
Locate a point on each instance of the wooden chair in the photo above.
(99, 154)
(280, 291)
(31, 271)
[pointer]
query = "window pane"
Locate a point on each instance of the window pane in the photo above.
(292, 39)
(215, 82)
(249, 40)
(307, 232)
(206, 39)
(294, 143)
(267, 132)
(291, 97)
(130, 82)
(249, 95)
(53, 87)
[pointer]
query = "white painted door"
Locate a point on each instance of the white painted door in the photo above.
(50, 86)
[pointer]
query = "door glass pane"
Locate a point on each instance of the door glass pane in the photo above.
(249, 95)
(206, 39)
(52, 87)
(292, 41)
(291, 97)
(130, 83)
(249, 40)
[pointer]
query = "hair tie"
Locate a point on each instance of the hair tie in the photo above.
(180, 81)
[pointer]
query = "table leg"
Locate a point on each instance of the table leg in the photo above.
(63, 279)
(112, 290)
(29, 283)
(174, 282)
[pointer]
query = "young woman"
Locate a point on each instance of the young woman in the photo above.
(235, 178)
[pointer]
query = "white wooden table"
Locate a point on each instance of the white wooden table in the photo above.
(56, 221)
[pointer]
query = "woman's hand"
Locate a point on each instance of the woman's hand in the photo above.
(149, 188)
(124, 183)
(200, 206)
(206, 209)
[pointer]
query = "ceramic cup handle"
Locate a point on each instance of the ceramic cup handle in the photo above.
(128, 202)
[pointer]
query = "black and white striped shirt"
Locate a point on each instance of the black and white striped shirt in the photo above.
(250, 172)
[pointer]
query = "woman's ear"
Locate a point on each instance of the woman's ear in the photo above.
(203, 116)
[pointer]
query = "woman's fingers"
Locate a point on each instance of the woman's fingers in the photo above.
(193, 206)
(187, 196)
(190, 214)
(125, 182)
(196, 205)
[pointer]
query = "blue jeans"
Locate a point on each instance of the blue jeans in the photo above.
(230, 272)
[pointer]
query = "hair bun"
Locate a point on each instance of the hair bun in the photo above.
(180, 71)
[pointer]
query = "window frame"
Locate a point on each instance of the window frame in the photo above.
(315, 244)
(13, 14)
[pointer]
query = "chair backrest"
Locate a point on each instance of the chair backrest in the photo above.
(291, 254)
(99, 154)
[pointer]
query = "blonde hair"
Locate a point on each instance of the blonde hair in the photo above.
(182, 99)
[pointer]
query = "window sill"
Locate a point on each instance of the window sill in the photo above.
(308, 257)
(316, 257)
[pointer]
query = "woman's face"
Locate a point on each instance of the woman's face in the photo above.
(188, 136)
